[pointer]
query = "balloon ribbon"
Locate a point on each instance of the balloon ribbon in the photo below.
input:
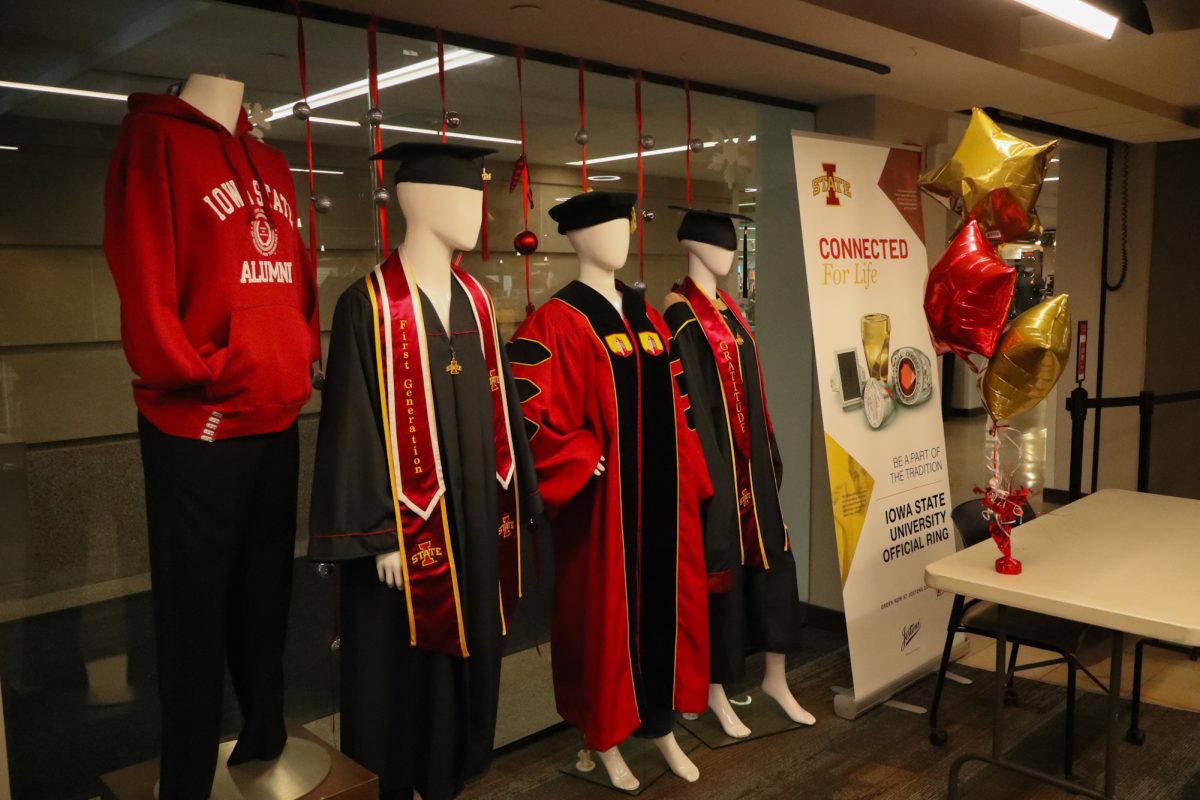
(583, 128)
(641, 228)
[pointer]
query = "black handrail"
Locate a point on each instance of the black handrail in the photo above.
(1078, 404)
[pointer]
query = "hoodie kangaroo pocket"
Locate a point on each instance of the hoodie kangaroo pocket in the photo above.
(267, 362)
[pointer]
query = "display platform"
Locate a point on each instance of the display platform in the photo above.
(315, 771)
(761, 715)
(643, 759)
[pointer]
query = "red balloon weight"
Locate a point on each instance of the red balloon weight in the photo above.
(526, 243)
(967, 295)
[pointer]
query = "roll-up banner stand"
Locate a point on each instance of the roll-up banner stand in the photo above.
(864, 253)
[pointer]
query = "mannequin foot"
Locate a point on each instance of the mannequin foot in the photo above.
(618, 770)
(258, 745)
(719, 703)
(676, 759)
(775, 686)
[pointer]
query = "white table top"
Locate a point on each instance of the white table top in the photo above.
(1125, 561)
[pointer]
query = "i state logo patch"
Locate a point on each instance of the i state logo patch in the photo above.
(619, 343)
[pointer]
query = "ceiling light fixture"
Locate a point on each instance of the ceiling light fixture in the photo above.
(38, 87)
(604, 178)
(347, 123)
(658, 151)
(1078, 13)
(410, 72)
(8, 147)
(451, 134)
(318, 171)
(751, 189)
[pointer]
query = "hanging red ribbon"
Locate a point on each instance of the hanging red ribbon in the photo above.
(373, 95)
(641, 228)
(582, 127)
(687, 101)
(301, 57)
(526, 196)
(441, 50)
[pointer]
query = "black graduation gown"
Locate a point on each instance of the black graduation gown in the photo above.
(418, 719)
(762, 609)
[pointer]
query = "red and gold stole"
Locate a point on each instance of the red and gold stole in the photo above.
(724, 346)
(435, 619)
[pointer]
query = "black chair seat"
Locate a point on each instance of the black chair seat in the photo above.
(1088, 645)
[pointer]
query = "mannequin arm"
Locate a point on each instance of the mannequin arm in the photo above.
(140, 246)
(390, 570)
(553, 399)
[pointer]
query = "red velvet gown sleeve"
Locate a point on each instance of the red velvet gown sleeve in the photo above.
(564, 448)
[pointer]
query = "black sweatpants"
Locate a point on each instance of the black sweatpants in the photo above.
(222, 521)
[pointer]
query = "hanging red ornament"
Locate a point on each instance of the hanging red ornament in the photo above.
(967, 296)
(525, 243)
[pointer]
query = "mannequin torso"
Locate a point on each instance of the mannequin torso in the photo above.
(219, 99)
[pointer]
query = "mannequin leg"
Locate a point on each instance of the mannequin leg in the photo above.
(676, 759)
(259, 599)
(775, 686)
(719, 703)
(618, 770)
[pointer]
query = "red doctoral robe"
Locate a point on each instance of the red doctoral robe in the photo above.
(630, 628)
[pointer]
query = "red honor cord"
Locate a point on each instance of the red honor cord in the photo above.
(641, 228)
(582, 127)
(373, 95)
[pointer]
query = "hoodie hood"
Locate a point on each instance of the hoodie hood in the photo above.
(168, 105)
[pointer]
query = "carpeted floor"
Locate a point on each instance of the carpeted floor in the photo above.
(886, 755)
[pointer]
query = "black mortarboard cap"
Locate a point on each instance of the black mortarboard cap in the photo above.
(436, 162)
(710, 227)
(592, 208)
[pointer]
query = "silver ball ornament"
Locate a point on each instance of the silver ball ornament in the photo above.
(696, 145)
(336, 645)
(648, 215)
(453, 120)
(380, 196)
(582, 136)
(322, 203)
(324, 569)
(639, 285)
(647, 142)
(302, 110)
(374, 115)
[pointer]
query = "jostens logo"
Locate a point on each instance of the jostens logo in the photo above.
(619, 343)
(262, 233)
(830, 185)
(908, 634)
(651, 343)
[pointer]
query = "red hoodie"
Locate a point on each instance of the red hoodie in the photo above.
(218, 298)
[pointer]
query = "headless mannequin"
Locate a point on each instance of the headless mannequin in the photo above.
(219, 99)
(439, 220)
(706, 264)
(602, 250)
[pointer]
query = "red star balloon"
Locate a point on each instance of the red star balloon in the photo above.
(967, 296)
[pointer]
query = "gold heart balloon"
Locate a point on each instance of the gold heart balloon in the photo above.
(1029, 359)
(993, 177)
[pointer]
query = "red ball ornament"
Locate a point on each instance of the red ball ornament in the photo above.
(967, 295)
(526, 243)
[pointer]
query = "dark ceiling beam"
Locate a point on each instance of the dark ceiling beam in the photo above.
(354, 19)
(742, 32)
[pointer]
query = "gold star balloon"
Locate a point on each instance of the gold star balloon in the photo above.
(1029, 359)
(993, 177)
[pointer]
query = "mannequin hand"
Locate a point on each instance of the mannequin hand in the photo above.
(388, 567)
(600, 468)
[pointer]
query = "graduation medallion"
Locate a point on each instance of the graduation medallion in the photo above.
(454, 367)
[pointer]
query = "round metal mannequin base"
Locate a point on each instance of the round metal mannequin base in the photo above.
(298, 770)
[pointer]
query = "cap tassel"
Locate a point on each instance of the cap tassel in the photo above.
(483, 233)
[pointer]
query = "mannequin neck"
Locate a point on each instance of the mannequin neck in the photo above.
(602, 280)
(219, 99)
(702, 276)
(427, 258)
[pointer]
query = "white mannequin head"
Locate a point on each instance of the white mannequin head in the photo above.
(450, 214)
(605, 246)
(711, 257)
